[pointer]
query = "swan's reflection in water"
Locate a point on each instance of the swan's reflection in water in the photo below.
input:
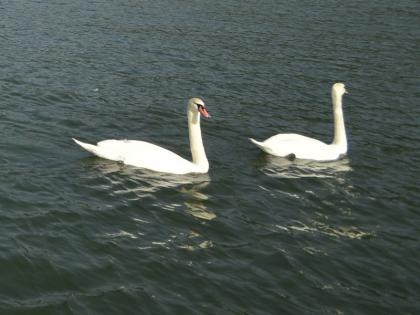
(195, 201)
(167, 192)
(281, 167)
(140, 183)
(322, 187)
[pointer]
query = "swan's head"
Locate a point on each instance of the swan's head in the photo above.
(196, 105)
(338, 89)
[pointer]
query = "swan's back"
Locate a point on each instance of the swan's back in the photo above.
(293, 140)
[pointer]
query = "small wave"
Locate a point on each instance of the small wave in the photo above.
(121, 234)
(317, 227)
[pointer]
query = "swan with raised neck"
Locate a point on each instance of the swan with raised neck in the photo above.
(150, 156)
(301, 147)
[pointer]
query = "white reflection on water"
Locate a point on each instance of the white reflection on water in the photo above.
(283, 168)
(135, 183)
(195, 201)
(195, 242)
(318, 227)
(168, 192)
(121, 234)
(143, 180)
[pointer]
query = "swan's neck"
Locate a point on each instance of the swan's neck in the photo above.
(198, 153)
(340, 138)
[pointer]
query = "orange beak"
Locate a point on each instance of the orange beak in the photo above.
(203, 111)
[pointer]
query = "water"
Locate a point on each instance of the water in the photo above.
(257, 235)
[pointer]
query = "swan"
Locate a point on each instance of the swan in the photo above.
(297, 146)
(150, 156)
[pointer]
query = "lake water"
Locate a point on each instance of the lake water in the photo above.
(258, 234)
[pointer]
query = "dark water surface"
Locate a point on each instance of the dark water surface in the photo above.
(257, 235)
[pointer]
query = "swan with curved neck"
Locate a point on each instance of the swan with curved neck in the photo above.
(301, 147)
(150, 156)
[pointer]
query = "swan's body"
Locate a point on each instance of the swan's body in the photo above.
(147, 155)
(301, 147)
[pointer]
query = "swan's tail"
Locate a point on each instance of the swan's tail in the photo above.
(262, 146)
(88, 147)
(257, 143)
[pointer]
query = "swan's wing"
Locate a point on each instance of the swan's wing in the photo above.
(300, 146)
(145, 154)
(140, 154)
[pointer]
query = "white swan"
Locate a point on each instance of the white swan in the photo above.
(301, 147)
(147, 155)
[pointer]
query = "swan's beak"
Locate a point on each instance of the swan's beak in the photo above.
(203, 112)
(346, 92)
